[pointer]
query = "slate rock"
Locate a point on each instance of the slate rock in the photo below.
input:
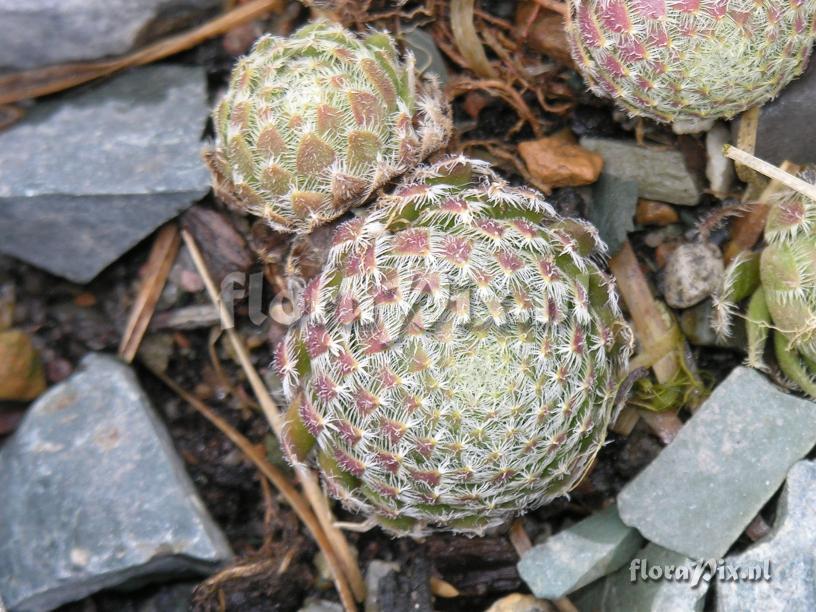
(614, 201)
(429, 59)
(696, 325)
(94, 495)
(704, 489)
(660, 172)
(790, 548)
(620, 592)
(578, 555)
(43, 32)
(86, 176)
(320, 605)
(376, 572)
(787, 125)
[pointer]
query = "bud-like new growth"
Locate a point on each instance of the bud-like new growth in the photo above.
(686, 60)
(314, 123)
(459, 356)
(781, 283)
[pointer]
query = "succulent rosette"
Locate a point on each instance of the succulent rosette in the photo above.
(313, 124)
(686, 60)
(779, 282)
(458, 358)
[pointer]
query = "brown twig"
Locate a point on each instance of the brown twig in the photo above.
(51, 79)
(276, 477)
(555, 6)
(162, 255)
(519, 538)
(9, 115)
(747, 230)
(772, 172)
(651, 328)
(307, 479)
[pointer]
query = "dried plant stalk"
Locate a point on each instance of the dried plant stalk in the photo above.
(350, 571)
(51, 79)
(162, 255)
(467, 40)
(651, 328)
(276, 477)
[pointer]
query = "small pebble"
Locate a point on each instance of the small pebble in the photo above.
(693, 272)
(650, 212)
(719, 169)
(560, 163)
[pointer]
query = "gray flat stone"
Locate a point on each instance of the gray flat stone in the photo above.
(42, 32)
(660, 173)
(612, 209)
(704, 489)
(321, 605)
(790, 548)
(627, 590)
(787, 126)
(94, 495)
(85, 177)
(578, 555)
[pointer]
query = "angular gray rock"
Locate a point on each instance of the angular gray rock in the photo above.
(628, 590)
(578, 555)
(661, 173)
(791, 550)
(377, 570)
(43, 32)
(94, 495)
(704, 489)
(787, 125)
(612, 209)
(86, 176)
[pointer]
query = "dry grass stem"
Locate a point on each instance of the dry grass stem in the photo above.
(307, 479)
(51, 79)
(162, 255)
(278, 480)
(772, 172)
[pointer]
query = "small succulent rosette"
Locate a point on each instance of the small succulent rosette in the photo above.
(687, 60)
(459, 356)
(315, 123)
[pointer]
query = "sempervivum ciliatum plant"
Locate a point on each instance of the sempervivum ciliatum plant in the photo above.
(458, 357)
(780, 281)
(686, 60)
(313, 124)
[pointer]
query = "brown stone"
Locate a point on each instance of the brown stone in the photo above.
(558, 162)
(545, 34)
(650, 212)
(663, 251)
(21, 372)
